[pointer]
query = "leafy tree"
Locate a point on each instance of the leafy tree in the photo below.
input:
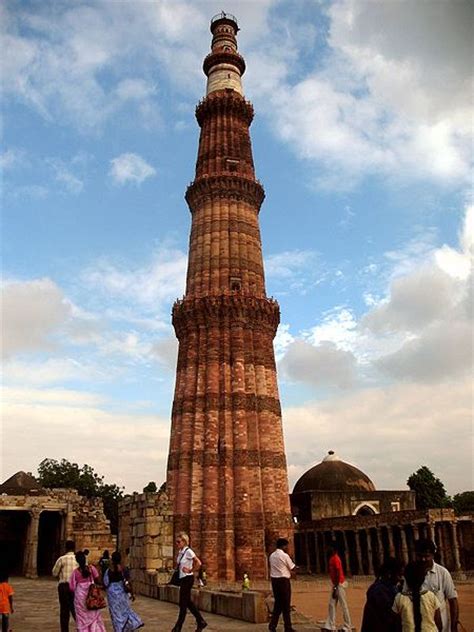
(151, 487)
(53, 473)
(430, 491)
(464, 502)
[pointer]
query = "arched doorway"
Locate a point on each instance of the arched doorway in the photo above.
(49, 540)
(365, 510)
(13, 535)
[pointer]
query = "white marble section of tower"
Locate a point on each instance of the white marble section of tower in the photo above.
(224, 66)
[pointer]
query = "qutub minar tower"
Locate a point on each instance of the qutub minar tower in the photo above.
(227, 475)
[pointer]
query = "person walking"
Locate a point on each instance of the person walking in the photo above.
(417, 607)
(438, 579)
(119, 593)
(378, 615)
(63, 569)
(338, 594)
(281, 570)
(6, 600)
(81, 579)
(187, 563)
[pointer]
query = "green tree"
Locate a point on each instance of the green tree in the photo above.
(430, 491)
(151, 487)
(53, 473)
(464, 502)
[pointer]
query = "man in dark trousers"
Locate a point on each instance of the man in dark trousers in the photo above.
(63, 569)
(281, 569)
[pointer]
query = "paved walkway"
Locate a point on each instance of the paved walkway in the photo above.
(37, 610)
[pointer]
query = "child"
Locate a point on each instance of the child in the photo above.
(418, 609)
(6, 599)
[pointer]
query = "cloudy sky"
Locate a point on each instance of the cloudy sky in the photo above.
(362, 139)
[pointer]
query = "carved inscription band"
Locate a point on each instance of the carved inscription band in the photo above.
(248, 402)
(227, 457)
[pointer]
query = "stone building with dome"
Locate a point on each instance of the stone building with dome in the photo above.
(335, 503)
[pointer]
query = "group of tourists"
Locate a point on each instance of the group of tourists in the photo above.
(419, 597)
(79, 590)
(414, 598)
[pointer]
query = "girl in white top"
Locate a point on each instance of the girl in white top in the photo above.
(419, 609)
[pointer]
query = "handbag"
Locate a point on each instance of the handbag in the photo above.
(175, 579)
(95, 600)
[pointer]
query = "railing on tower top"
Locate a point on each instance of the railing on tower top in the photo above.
(223, 16)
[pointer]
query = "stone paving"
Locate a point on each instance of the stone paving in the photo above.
(37, 610)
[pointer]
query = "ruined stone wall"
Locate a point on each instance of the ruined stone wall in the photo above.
(77, 518)
(146, 528)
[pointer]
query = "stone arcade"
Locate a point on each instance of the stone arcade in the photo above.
(35, 524)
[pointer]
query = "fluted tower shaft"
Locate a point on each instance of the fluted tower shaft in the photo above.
(227, 473)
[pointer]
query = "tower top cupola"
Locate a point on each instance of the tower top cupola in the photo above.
(224, 66)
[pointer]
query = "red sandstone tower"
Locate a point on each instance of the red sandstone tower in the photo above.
(227, 475)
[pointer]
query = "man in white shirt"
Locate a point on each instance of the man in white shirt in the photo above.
(438, 579)
(63, 569)
(281, 570)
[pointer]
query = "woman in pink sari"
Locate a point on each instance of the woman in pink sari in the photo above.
(81, 579)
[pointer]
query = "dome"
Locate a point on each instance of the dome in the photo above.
(333, 475)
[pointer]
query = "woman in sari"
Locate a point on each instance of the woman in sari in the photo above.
(81, 579)
(119, 593)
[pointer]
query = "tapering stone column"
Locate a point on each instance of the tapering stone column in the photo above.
(346, 553)
(369, 552)
(360, 566)
(318, 555)
(391, 545)
(227, 476)
(31, 549)
(404, 547)
(454, 538)
(381, 555)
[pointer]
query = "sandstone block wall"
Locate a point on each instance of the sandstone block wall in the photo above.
(146, 529)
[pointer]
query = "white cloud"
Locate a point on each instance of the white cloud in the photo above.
(420, 330)
(32, 312)
(64, 175)
(293, 270)
(130, 167)
(60, 424)
(378, 101)
(165, 351)
(319, 365)
(159, 281)
(402, 427)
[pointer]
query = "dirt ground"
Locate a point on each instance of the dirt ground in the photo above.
(311, 599)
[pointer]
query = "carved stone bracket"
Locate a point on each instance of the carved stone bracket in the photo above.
(209, 310)
(224, 186)
(225, 102)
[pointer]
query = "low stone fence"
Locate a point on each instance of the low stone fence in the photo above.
(247, 605)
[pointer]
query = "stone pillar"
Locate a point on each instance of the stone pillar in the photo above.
(30, 563)
(381, 555)
(391, 546)
(346, 553)
(454, 537)
(431, 530)
(306, 551)
(318, 555)
(369, 552)
(403, 539)
(416, 531)
(439, 542)
(360, 566)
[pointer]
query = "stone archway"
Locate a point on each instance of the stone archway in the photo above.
(14, 525)
(365, 509)
(49, 540)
